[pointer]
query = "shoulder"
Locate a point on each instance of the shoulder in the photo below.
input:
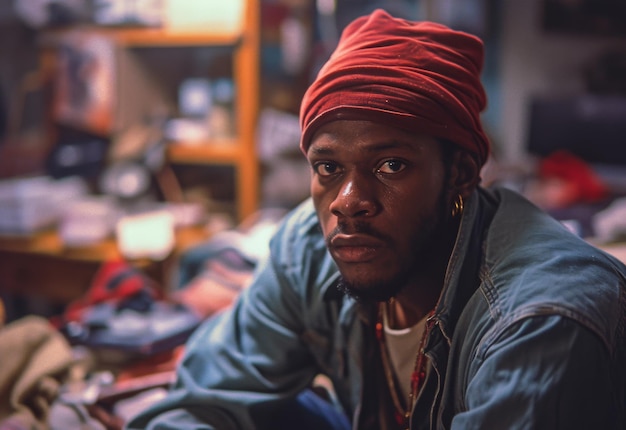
(535, 266)
(521, 239)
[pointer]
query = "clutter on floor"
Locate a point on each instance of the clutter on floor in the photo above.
(114, 350)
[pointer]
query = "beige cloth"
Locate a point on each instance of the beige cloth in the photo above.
(34, 359)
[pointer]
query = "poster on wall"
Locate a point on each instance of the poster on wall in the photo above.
(85, 82)
(103, 88)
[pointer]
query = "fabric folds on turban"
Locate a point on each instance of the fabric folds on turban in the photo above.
(419, 76)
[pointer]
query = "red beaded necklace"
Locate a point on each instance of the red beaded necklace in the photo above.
(403, 412)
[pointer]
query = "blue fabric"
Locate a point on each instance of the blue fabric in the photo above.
(308, 411)
(530, 333)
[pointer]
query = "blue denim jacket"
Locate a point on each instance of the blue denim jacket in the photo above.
(529, 333)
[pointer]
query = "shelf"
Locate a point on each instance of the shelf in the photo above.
(49, 243)
(151, 37)
(40, 265)
(243, 41)
(209, 152)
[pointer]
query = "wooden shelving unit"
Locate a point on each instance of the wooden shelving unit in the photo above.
(240, 151)
(42, 266)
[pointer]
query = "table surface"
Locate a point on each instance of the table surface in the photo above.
(41, 267)
(49, 243)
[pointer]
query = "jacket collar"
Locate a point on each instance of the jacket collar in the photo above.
(463, 272)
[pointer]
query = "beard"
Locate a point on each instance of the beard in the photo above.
(418, 259)
(376, 290)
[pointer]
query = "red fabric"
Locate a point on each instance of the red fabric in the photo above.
(585, 184)
(115, 282)
(420, 76)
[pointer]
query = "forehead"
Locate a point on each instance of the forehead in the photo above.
(368, 136)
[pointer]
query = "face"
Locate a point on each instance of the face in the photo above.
(380, 197)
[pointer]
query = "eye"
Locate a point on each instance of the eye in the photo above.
(391, 166)
(325, 168)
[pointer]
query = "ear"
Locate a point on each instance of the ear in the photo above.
(464, 174)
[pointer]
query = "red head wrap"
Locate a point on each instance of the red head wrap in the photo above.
(419, 76)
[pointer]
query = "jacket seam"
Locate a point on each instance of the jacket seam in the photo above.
(532, 311)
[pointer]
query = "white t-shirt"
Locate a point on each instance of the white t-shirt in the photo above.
(402, 348)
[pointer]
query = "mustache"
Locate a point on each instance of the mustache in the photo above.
(355, 228)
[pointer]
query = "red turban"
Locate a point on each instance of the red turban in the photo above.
(418, 76)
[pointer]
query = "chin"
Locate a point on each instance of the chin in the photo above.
(376, 281)
(370, 292)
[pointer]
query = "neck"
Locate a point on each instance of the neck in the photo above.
(420, 296)
(405, 311)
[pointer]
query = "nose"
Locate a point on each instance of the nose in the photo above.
(354, 199)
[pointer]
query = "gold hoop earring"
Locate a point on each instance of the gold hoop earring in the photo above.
(458, 206)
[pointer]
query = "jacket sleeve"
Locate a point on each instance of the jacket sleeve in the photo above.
(241, 363)
(545, 372)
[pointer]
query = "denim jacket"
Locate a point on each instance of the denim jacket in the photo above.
(529, 333)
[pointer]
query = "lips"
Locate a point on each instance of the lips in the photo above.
(357, 248)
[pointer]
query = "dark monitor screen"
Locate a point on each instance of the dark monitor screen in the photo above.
(592, 127)
(585, 17)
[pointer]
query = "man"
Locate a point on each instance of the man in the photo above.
(428, 301)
